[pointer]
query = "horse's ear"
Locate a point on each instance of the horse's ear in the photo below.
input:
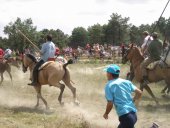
(131, 45)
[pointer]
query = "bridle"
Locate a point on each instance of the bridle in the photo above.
(124, 59)
(25, 67)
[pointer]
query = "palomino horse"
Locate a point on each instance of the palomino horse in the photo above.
(51, 73)
(5, 66)
(134, 55)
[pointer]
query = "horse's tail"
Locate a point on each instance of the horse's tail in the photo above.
(70, 61)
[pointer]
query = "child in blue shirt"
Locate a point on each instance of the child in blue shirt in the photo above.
(118, 92)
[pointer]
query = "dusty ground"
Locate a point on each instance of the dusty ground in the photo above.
(17, 103)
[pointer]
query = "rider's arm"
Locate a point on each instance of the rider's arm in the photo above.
(43, 49)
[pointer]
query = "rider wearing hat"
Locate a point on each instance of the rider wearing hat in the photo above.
(118, 92)
(47, 51)
(147, 40)
(154, 53)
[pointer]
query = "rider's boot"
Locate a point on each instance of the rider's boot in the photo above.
(35, 79)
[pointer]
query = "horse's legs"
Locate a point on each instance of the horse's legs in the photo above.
(150, 92)
(39, 96)
(167, 87)
(2, 78)
(73, 89)
(9, 72)
(10, 75)
(141, 86)
(38, 90)
(38, 99)
(67, 81)
(62, 87)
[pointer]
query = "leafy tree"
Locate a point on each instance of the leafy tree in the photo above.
(95, 34)
(79, 37)
(59, 38)
(164, 28)
(134, 35)
(15, 39)
(167, 32)
(116, 30)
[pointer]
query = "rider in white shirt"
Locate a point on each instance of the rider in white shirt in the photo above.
(147, 40)
(8, 53)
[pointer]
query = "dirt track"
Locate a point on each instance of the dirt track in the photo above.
(17, 103)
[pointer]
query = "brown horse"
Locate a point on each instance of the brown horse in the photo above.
(51, 73)
(134, 55)
(5, 65)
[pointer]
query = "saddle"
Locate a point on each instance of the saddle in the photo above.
(152, 66)
(61, 60)
(45, 65)
(160, 63)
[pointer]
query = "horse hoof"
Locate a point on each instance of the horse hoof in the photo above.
(77, 103)
(162, 92)
(163, 95)
(62, 104)
(36, 106)
(47, 108)
(157, 103)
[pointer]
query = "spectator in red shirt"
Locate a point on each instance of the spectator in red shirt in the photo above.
(1, 53)
(57, 52)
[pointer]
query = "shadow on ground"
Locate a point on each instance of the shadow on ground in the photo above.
(29, 110)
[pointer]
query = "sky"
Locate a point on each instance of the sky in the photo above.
(68, 14)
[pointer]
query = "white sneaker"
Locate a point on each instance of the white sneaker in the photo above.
(154, 125)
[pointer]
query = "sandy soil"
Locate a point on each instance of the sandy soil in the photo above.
(17, 103)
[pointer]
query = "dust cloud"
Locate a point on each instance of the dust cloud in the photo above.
(89, 90)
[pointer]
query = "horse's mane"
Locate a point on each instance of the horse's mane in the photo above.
(32, 57)
(139, 51)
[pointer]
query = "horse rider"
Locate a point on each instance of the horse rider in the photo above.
(154, 54)
(7, 54)
(47, 53)
(147, 40)
(1, 53)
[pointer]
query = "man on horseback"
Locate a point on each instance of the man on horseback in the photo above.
(47, 53)
(154, 53)
(147, 40)
(8, 53)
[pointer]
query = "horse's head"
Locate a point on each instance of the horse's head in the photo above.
(131, 52)
(127, 54)
(27, 61)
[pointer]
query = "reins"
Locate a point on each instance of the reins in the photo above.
(30, 62)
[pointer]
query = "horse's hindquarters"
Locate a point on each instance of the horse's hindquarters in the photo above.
(51, 74)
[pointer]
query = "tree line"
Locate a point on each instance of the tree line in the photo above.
(118, 30)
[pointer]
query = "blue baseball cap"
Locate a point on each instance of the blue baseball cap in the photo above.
(113, 68)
